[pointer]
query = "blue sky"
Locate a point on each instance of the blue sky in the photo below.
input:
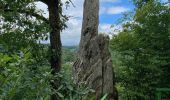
(121, 5)
(110, 12)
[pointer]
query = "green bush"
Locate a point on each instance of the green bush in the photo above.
(25, 79)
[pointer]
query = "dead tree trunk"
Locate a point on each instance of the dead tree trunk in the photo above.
(94, 65)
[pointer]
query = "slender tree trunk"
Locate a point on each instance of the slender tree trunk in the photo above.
(55, 41)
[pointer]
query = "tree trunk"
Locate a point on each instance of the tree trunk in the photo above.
(94, 66)
(55, 41)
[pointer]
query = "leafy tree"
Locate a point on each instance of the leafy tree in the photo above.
(141, 52)
(23, 25)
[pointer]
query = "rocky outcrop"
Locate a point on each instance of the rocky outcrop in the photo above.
(94, 65)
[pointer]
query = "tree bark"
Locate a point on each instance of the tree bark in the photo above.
(55, 41)
(94, 66)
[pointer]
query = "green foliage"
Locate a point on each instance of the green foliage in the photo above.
(141, 52)
(20, 80)
(25, 72)
(104, 97)
(68, 89)
(26, 78)
(68, 54)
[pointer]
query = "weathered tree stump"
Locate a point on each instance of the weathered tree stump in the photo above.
(93, 65)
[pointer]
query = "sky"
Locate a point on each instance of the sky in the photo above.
(110, 12)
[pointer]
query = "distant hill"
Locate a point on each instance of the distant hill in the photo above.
(69, 53)
(71, 47)
(65, 47)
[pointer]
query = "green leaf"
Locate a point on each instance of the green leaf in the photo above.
(60, 95)
(104, 97)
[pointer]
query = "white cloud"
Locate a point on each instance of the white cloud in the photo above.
(116, 10)
(77, 11)
(104, 28)
(71, 36)
(43, 7)
(109, 28)
(113, 10)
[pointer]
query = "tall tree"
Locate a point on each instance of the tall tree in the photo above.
(142, 51)
(22, 15)
(55, 41)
